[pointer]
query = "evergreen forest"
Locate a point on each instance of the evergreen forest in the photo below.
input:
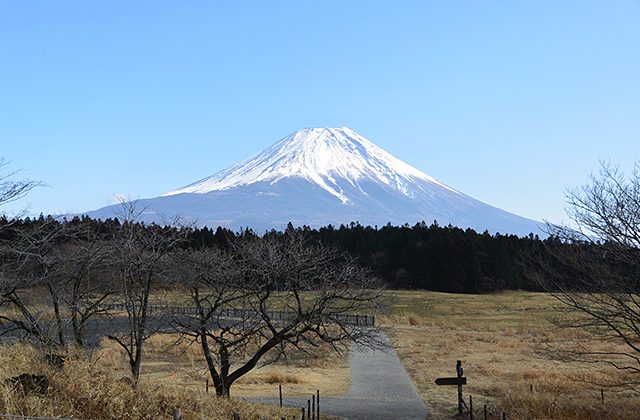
(422, 256)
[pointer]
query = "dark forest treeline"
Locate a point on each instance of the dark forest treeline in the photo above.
(422, 256)
(431, 257)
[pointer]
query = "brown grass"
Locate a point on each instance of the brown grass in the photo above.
(277, 377)
(86, 388)
(182, 364)
(497, 337)
(168, 363)
(413, 319)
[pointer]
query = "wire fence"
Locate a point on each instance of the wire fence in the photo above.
(350, 319)
(485, 413)
(311, 411)
(467, 410)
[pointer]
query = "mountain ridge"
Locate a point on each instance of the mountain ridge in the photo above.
(314, 154)
(321, 176)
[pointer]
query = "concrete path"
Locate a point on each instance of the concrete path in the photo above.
(380, 389)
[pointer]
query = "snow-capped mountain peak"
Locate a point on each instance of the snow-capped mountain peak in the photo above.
(322, 176)
(324, 156)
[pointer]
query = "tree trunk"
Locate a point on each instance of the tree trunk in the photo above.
(140, 325)
(77, 326)
(136, 361)
(224, 369)
(56, 311)
(222, 389)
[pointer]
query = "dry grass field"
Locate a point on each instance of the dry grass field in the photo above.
(183, 365)
(173, 374)
(498, 338)
(88, 387)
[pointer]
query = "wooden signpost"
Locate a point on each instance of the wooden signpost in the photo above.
(457, 380)
(450, 381)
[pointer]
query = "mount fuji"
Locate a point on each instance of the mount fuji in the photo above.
(321, 176)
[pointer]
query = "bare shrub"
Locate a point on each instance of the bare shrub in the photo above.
(593, 268)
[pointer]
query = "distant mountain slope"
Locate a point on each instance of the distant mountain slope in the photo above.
(320, 176)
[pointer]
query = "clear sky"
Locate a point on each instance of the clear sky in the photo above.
(509, 101)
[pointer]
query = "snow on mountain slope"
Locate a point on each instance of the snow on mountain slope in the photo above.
(320, 155)
(321, 176)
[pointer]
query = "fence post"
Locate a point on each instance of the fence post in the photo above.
(459, 372)
(177, 414)
(485, 412)
(313, 407)
(318, 404)
(303, 417)
(309, 409)
(280, 392)
(504, 416)
(470, 407)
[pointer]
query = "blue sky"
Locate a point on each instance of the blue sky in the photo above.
(510, 102)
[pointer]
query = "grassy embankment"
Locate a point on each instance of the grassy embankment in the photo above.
(499, 338)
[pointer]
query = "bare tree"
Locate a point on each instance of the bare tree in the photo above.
(593, 268)
(12, 286)
(56, 262)
(10, 188)
(77, 280)
(18, 316)
(27, 266)
(213, 280)
(271, 296)
(141, 261)
(39, 243)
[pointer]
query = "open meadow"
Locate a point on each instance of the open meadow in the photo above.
(500, 339)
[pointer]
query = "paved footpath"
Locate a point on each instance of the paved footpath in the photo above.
(380, 389)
